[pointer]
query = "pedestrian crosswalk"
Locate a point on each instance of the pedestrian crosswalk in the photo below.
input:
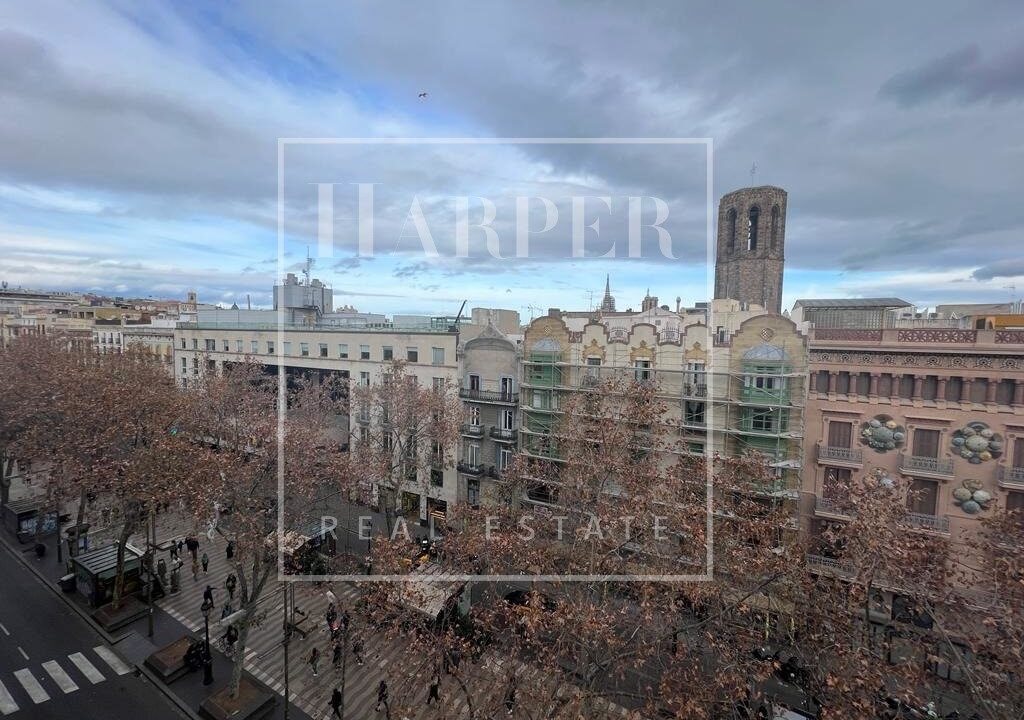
(25, 689)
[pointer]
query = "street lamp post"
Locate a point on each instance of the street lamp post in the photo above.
(206, 607)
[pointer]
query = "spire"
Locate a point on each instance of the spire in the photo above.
(608, 303)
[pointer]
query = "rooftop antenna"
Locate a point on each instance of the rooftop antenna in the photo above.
(753, 171)
(309, 266)
(1013, 297)
(590, 300)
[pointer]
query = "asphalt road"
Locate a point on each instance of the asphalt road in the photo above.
(54, 665)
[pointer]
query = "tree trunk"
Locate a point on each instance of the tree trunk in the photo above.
(239, 663)
(122, 542)
(6, 467)
(79, 519)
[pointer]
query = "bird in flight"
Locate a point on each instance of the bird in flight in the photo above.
(423, 95)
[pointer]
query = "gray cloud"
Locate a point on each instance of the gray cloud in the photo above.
(880, 179)
(962, 74)
(1013, 267)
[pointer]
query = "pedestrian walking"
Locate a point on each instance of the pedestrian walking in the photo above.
(205, 561)
(510, 695)
(357, 651)
(314, 661)
(336, 703)
(335, 632)
(336, 659)
(229, 551)
(226, 611)
(174, 550)
(345, 619)
(195, 570)
(331, 615)
(178, 548)
(161, 571)
(435, 690)
(208, 595)
(229, 638)
(382, 695)
(230, 583)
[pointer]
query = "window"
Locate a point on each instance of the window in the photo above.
(504, 458)
(642, 370)
(364, 379)
(238, 346)
(304, 349)
(183, 343)
(184, 364)
(695, 447)
(720, 334)
(762, 419)
(922, 496)
(184, 383)
(323, 349)
(227, 346)
(473, 492)
(211, 345)
(1015, 502)
(364, 434)
(508, 419)
(437, 477)
(473, 454)
(474, 415)
(752, 217)
(195, 343)
(254, 347)
(438, 384)
(926, 443)
(437, 356)
(364, 352)
(412, 354)
(287, 348)
(474, 382)
(387, 353)
(505, 385)
(693, 412)
(270, 347)
(343, 350)
(840, 434)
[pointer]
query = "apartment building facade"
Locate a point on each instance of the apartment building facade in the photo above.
(489, 391)
(942, 408)
(360, 354)
(733, 387)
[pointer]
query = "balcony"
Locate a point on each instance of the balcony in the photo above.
(918, 466)
(697, 390)
(934, 523)
(1011, 478)
(363, 418)
(840, 456)
(489, 396)
(470, 468)
(503, 435)
(828, 566)
(832, 507)
(473, 431)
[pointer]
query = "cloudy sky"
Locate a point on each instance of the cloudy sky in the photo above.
(139, 144)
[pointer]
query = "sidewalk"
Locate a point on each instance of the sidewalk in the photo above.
(132, 641)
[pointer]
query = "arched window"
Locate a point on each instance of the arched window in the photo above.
(752, 217)
(775, 227)
(731, 226)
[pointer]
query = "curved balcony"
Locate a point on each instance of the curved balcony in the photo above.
(473, 431)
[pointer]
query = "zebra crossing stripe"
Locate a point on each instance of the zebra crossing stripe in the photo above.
(86, 668)
(63, 680)
(32, 686)
(7, 704)
(110, 658)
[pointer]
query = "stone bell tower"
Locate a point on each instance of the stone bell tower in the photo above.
(751, 246)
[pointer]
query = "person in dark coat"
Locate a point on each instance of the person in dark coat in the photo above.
(382, 695)
(336, 703)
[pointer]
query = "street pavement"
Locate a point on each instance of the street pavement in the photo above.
(54, 665)
(388, 658)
